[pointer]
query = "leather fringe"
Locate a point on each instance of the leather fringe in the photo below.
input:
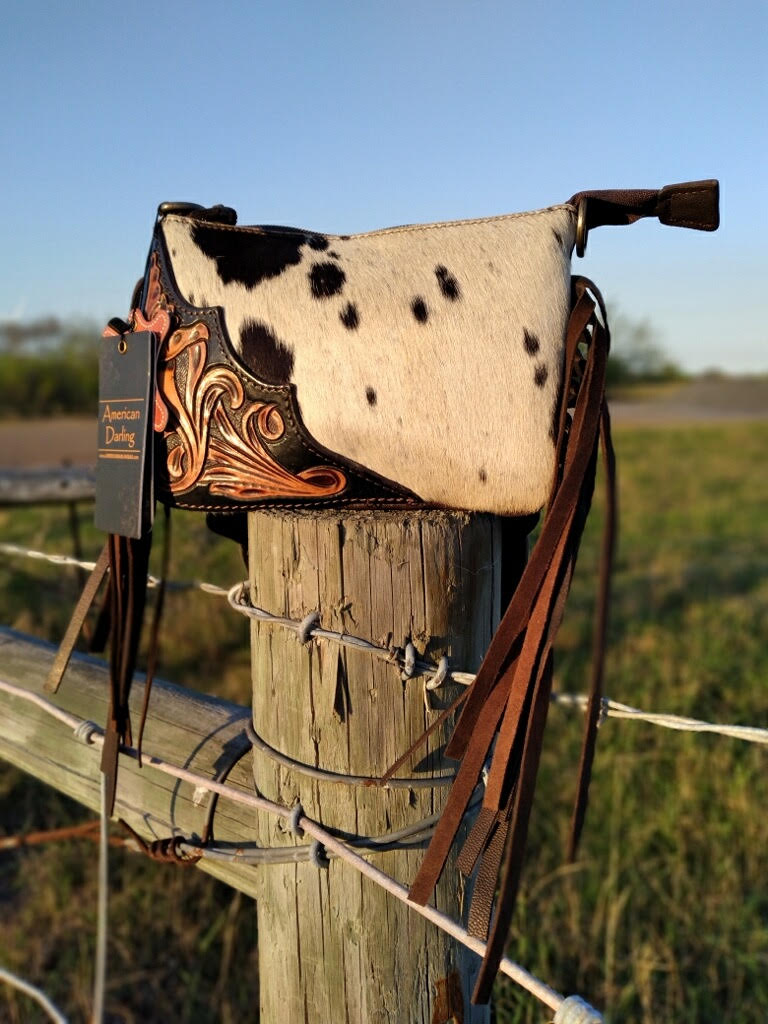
(125, 563)
(509, 699)
(129, 564)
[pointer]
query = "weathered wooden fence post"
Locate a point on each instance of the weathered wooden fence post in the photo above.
(334, 947)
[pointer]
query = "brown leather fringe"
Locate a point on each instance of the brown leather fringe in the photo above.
(594, 704)
(75, 627)
(154, 635)
(509, 699)
(128, 563)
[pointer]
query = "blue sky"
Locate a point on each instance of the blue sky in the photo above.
(347, 116)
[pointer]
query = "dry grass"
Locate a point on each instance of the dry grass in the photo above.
(665, 916)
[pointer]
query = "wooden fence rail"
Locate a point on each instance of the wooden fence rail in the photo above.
(45, 486)
(186, 727)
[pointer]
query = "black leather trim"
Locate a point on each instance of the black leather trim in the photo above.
(295, 450)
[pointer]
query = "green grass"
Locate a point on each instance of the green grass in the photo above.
(664, 917)
(182, 946)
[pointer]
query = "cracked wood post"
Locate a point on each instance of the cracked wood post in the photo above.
(332, 946)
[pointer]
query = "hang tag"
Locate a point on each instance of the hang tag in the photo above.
(124, 477)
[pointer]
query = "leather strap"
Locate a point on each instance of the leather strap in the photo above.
(503, 645)
(525, 777)
(481, 906)
(86, 599)
(599, 635)
(690, 204)
(154, 635)
(459, 796)
(129, 563)
(516, 839)
(510, 697)
(503, 642)
(489, 693)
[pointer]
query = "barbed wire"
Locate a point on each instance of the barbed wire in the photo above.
(406, 659)
(91, 734)
(613, 709)
(17, 550)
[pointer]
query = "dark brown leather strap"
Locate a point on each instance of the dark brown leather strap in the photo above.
(474, 744)
(459, 797)
(154, 634)
(481, 905)
(477, 840)
(101, 630)
(419, 743)
(512, 690)
(86, 599)
(129, 563)
(525, 761)
(517, 835)
(525, 782)
(502, 647)
(599, 635)
(690, 204)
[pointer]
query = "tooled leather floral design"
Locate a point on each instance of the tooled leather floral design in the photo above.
(231, 460)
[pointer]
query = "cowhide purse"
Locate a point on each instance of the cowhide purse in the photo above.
(456, 365)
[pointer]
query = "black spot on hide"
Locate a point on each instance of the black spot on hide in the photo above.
(326, 279)
(540, 376)
(531, 342)
(318, 242)
(345, 238)
(265, 355)
(419, 309)
(371, 395)
(449, 286)
(350, 317)
(333, 255)
(191, 298)
(558, 237)
(482, 475)
(248, 257)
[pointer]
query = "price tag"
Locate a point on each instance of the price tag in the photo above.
(124, 478)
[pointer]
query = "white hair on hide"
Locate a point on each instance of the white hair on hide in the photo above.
(437, 360)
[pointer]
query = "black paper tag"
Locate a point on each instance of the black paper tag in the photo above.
(124, 478)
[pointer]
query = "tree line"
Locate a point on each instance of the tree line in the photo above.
(50, 368)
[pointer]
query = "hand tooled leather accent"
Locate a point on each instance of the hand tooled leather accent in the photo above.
(211, 442)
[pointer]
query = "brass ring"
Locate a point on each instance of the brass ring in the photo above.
(581, 227)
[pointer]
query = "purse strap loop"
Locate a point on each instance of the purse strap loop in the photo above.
(689, 204)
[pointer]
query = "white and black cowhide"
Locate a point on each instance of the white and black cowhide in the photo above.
(430, 354)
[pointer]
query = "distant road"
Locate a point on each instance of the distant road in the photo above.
(72, 440)
(706, 400)
(61, 441)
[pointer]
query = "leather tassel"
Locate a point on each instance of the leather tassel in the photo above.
(129, 563)
(509, 699)
(75, 627)
(594, 705)
(154, 636)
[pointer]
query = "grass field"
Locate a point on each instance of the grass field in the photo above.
(665, 916)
